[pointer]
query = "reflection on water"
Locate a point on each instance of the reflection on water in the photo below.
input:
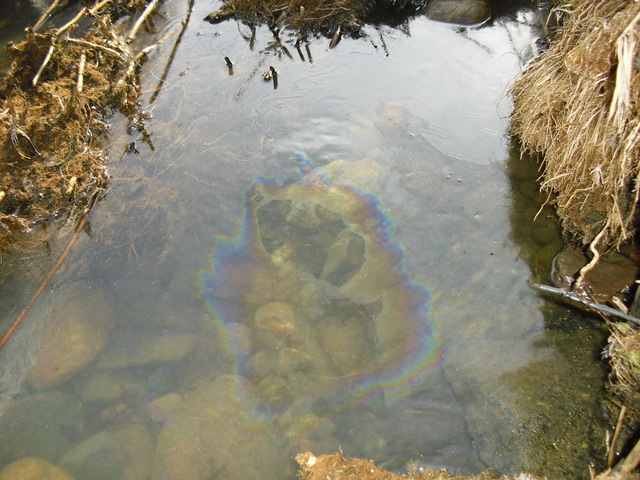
(369, 294)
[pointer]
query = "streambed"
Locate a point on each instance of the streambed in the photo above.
(372, 205)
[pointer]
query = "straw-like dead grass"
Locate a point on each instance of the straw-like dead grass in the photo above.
(313, 16)
(624, 354)
(578, 106)
(53, 104)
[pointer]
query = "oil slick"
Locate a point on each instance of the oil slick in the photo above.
(314, 325)
(309, 297)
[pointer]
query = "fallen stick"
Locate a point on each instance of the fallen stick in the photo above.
(44, 65)
(53, 271)
(95, 45)
(98, 6)
(134, 62)
(572, 297)
(59, 31)
(143, 17)
(611, 456)
(45, 15)
(82, 13)
(83, 59)
(72, 22)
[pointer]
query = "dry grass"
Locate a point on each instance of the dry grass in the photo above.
(52, 105)
(578, 106)
(313, 16)
(339, 468)
(623, 352)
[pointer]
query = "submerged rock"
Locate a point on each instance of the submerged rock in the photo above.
(77, 330)
(614, 273)
(145, 351)
(460, 12)
(98, 458)
(33, 469)
(43, 425)
(101, 388)
(162, 408)
(124, 452)
(214, 435)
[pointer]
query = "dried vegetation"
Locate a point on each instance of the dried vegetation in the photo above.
(337, 467)
(53, 103)
(578, 105)
(313, 16)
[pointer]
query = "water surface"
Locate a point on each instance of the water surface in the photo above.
(341, 262)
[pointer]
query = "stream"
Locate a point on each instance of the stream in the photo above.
(336, 261)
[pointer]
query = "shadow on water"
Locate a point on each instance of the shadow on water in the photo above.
(572, 389)
(246, 276)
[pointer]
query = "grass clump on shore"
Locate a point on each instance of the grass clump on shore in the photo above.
(578, 106)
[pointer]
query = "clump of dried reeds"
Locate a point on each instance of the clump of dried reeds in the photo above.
(623, 352)
(314, 16)
(53, 102)
(304, 16)
(578, 106)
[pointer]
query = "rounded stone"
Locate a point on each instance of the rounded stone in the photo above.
(274, 322)
(77, 331)
(612, 274)
(460, 12)
(41, 425)
(33, 469)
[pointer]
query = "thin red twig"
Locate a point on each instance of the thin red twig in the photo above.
(53, 271)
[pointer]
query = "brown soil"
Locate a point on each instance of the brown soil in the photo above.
(53, 105)
(336, 467)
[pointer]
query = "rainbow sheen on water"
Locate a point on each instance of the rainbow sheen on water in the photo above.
(311, 303)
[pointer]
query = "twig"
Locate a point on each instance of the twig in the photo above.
(612, 447)
(53, 271)
(44, 65)
(134, 61)
(596, 257)
(572, 297)
(83, 59)
(46, 14)
(81, 14)
(95, 45)
(631, 461)
(73, 21)
(98, 6)
(143, 17)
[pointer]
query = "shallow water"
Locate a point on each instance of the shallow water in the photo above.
(374, 193)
